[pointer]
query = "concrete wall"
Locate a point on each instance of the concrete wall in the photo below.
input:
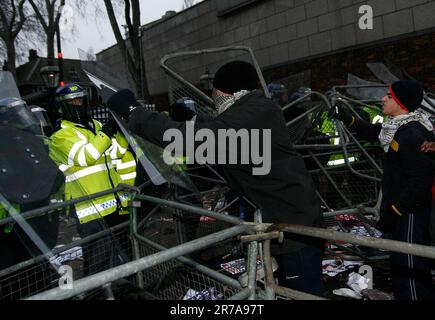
(279, 31)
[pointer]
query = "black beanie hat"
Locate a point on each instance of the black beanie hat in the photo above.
(408, 94)
(236, 76)
(120, 102)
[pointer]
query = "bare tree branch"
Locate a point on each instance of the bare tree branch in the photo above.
(127, 14)
(10, 28)
(53, 14)
(131, 54)
(21, 21)
(38, 15)
(56, 21)
(12, 20)
(114, 24)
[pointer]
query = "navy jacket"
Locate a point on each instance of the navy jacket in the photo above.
(408, 172)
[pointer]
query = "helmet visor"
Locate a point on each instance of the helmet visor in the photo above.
(76, 109)
(42, 117)
(20, 117)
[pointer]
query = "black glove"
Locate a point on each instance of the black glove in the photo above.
(180, 112)
(123, 102)
(341, 113)
(110, 127)
(387, 222)
(138, 119)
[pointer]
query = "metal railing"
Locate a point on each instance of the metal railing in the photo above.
(179, 87)
(258, 234)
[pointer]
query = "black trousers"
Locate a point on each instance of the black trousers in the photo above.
(302, 270)
(411, 275)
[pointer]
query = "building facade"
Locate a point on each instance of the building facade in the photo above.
(313, 43)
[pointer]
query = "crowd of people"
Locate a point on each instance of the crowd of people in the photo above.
(95, 158)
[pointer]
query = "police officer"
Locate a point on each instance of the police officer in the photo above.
(278, 93)
(29, 179)
(14, 112)
(87, 152)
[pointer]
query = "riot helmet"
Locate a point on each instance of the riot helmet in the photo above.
(301, 92)
(188, 102)
(72, 101)
(14, 112)
(44, 122)
(278, 93)
(183, 110)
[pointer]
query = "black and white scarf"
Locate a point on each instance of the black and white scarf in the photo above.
(224, 102)
(390, 127)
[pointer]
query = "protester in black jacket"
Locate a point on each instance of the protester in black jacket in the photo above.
(285, 193)
(406, 182)
(429, 146)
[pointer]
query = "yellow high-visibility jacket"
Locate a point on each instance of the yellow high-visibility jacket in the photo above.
(86, 159)
(126, 168)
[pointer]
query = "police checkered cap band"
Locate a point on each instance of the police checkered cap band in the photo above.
(71, 96)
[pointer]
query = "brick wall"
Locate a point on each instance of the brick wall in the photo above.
(415, 55)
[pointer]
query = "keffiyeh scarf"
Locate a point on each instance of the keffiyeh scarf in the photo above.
(390, 127)
(224, 102)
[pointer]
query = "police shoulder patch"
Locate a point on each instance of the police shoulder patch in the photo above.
(394, 145)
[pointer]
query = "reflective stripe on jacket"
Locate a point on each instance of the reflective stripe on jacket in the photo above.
(86, 160)
(328, 128)
(126, 168)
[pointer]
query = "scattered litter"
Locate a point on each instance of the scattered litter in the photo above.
(354, 226)
(362, 231)
(373, 294)
(68, 255)
(345, 292)
(337, 266)
(244, 278)
(358, 282)
(237, 266)
(349, 218)
(221, 203)
(214, 201)
(206, 294)
(234, 267)
(206, 219)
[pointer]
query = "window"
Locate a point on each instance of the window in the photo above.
(74, 76)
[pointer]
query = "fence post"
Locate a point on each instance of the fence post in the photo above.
(135, 245)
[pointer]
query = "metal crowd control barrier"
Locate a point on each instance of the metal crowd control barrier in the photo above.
(162, 247)
(180, 87)
(257, 232)
(338, 186)
(140, 247)
(344, 185)
(344, 171)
